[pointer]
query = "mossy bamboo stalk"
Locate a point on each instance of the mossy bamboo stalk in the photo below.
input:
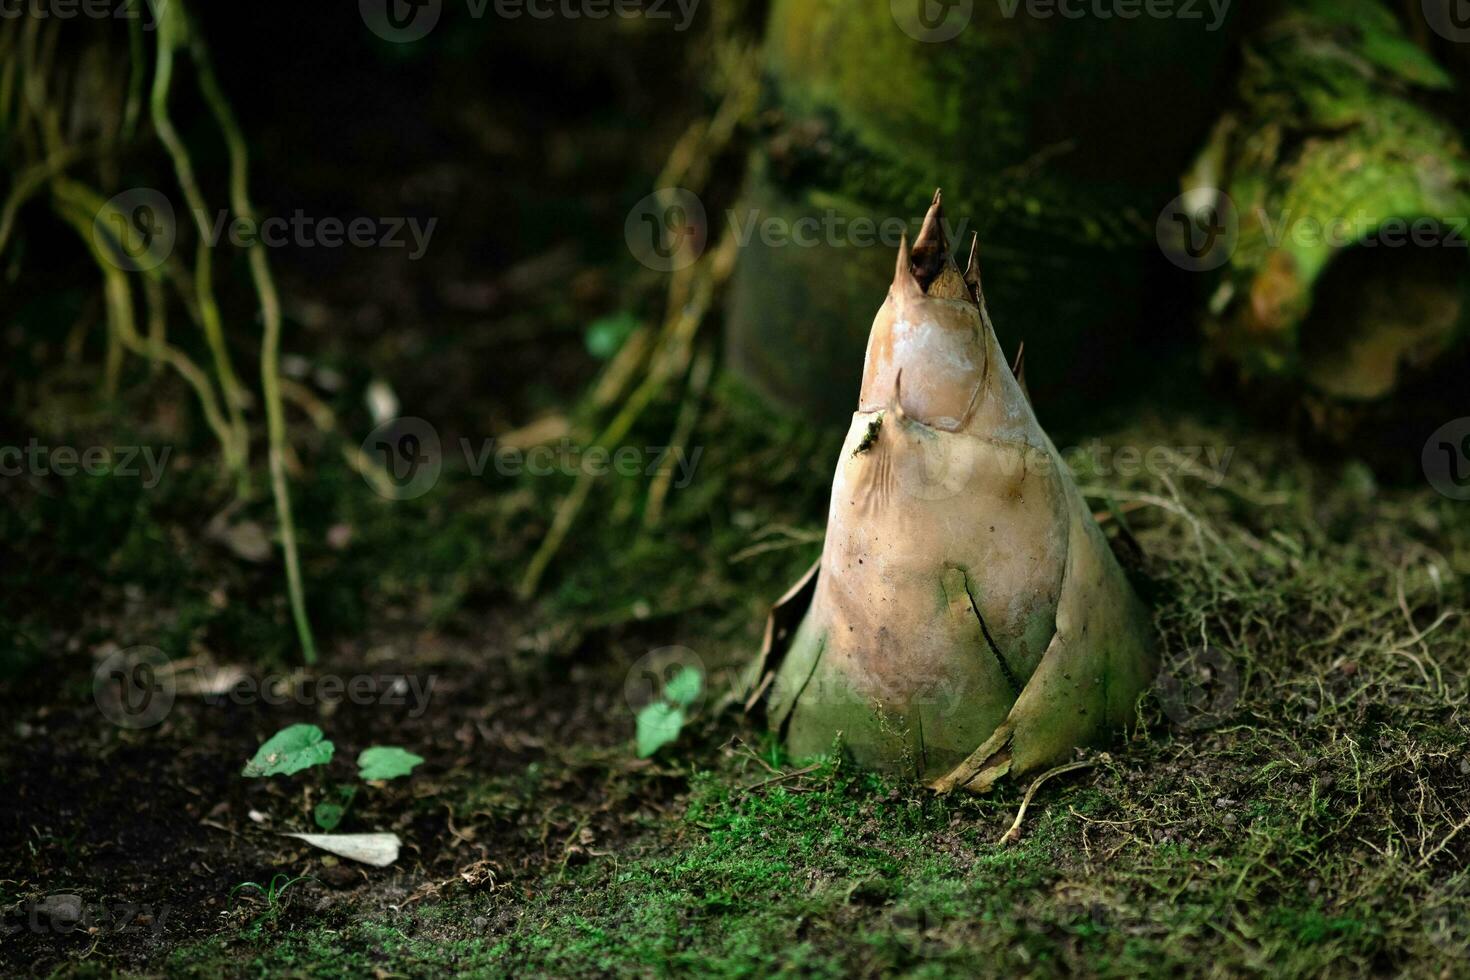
(1333, 147)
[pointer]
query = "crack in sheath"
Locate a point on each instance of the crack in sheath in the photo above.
(1005, 668)
(785, 723)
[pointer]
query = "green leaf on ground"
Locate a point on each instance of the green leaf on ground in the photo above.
(328, 814)
(658, 725)
(685, 687)
(605, 336)
(290, 750)
(386, 762)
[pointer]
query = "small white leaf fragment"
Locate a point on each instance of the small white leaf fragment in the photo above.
(379, 850)
(381, 401)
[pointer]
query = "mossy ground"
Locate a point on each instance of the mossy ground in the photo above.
(1295, 803)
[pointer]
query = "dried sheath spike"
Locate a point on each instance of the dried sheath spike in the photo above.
(967, 618)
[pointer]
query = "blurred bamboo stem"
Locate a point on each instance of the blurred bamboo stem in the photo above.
(75, 204)
(671, 353)
(171, 22)
(270, 348)
(691, 295)
(31, 129)
(699, 378)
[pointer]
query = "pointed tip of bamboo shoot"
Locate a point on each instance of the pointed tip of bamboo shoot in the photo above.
(931, 251)
(972, 270)
(904, 282)
(1018, 368)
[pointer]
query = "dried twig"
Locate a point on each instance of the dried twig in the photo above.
(1014, 833)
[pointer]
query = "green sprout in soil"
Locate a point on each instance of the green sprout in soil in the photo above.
(660, 721)
(274, 895)
(299, 747)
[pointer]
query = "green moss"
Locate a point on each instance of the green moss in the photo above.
(1294, 835)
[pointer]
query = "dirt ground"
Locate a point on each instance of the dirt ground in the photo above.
(1294, 805)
